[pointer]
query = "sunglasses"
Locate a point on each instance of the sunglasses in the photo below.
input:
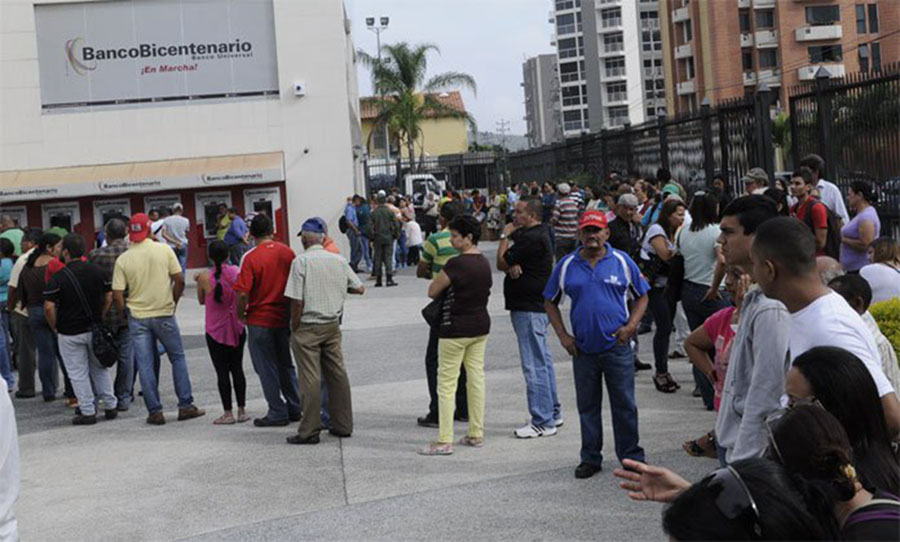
(735, 499)
(773, 419)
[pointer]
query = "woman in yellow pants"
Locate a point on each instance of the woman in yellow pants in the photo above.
(465, 285)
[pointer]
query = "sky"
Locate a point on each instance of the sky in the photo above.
(488, 39)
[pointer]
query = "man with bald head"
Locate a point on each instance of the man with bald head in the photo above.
(828, 268)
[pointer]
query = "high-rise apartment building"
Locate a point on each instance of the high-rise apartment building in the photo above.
(610, 62)
(542, 105)
(720, 49)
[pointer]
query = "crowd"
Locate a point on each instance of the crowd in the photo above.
(767, 294)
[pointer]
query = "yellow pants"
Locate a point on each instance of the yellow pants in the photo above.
(452, 353)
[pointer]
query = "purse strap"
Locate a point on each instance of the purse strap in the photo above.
(84, 304)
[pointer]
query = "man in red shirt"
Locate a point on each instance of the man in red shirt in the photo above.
(808, 209)
(262, 306)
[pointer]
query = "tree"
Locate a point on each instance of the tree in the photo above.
(408, 98)
(781, 136)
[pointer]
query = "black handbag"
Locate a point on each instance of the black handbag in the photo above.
(103, 342)
(433, 311)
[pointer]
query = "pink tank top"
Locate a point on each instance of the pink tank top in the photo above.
(222, 323)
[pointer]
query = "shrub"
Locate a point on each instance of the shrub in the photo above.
(887, 314)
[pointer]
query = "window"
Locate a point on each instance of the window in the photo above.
(565, 24)
(581, 46)
(568, 72)
(863, 58)
(561, 5)
(571, 95)
(617, 92)
(873, 18)
(688, 31)
(744, 19)
(826, 53)
(575, 114)
(876, 57)
(613, 42)
(768, 58)
(860, 18)
(689, 68)
(649, 15)
(618, 115)
(567, 48)
(651, 112)
(611, 17)
(747, 60)
(822, 15)
(765, 18)
(615, 66)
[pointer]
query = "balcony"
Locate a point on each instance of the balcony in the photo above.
(770, 77)
(763, 4)
(684, 51)
(681, 15)
(743, 3)
(610, 49)
(551, 18)
(610, 23)
(614, 73)
(749, 79)
(816, 33)
(612, 97)
(686, 87)
(766, 38)
(808, 73)
(649, 24)
(747, 39)
(653, 72)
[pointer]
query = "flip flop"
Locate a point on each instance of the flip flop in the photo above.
(224, 420)
(243, 418)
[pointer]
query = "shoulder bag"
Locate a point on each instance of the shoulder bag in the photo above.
(103, 343)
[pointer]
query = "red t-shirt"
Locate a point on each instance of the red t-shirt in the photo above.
(54, 266)
(721, 332)
(264, 273)
(819, 216)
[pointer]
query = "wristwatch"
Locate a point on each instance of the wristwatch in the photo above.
(503, 236)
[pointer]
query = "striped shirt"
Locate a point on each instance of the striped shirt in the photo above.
(565, 218)
(438, 250)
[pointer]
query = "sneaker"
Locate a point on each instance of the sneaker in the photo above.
(535, 431)
(110, 414)
(265, 421)
(475, 442)
(156, 418)
(641, 366)
(81, 419)
(428, 421)
(190, 413)
(297, 439)
(437, 448)
(559, 421)
(586, 470)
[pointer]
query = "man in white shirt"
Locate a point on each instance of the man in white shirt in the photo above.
(784, 265)
(9, 467)
(829, 193)
(175, 228)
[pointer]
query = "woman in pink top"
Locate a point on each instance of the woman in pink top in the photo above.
(224, 332)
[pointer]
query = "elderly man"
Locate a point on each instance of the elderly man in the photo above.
(317, 286)
(755, 181)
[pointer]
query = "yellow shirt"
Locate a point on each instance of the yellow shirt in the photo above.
(145, 270)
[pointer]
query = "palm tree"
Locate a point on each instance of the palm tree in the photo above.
(408, 98)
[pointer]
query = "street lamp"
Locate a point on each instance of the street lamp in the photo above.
(381, 26)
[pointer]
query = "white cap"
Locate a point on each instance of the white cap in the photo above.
(564, 188)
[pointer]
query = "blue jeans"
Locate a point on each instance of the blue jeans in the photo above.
(617, 364)
(402, 251)
(270, 353)
(366, 251)
(355, 248)
(125, 368)
(181, 254)
(144, 334)
(5, 362)
(48, 361)
(697, 311)
(537, 366)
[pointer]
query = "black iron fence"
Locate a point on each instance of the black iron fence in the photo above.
(482, 170)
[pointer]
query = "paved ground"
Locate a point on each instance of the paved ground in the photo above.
(125, 480)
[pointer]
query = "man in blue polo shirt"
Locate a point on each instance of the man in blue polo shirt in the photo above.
(600, 280)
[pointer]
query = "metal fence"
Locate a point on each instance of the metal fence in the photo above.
(481, 170)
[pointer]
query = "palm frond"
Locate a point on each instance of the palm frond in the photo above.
(447, 80)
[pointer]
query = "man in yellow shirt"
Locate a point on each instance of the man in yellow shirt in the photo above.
(223, 223)
(152, 275)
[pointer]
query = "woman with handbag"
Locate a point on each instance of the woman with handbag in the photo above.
(657, 249)
(465, 283)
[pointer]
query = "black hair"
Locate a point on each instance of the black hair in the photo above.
(704, 210)
(783, 513)
(451, 210)
(843, 385)
(864, 189)
(47, 240)
(534, 204)
(261, 226)
(115, 229)
(804, 173)
(788, 242)
(853, 286)
(233, 210)
(467, 225)
(780, 198)
(74, 243)
(669, 208)
(218, 253)
(751, 211)
(663, 175)
(815, 163)
(33, 235)
(7, 250)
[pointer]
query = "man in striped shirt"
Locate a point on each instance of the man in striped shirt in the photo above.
(435, 255)
(565, 222)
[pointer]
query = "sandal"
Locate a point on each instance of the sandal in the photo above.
(704, 446)
(664, 383)
(475, 442)
(437, 448)
(224, 419)
(243, 418)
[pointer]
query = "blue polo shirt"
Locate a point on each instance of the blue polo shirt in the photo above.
(599, 296)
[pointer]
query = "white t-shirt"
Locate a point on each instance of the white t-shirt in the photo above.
(156, 230)
(413, 233)
(177, 226)
(830, 321)
(654, 230)
(883, 279)
(9, 467)
(832, 198)
(699, 251)
(14, 278)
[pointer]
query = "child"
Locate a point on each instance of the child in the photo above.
(413, 241)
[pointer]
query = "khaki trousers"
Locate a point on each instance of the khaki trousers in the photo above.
(317, 351)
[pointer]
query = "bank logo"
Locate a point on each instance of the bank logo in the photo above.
(73, 47)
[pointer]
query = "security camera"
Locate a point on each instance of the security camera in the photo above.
(299, 88)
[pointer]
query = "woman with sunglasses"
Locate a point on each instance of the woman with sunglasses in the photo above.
(840, 382)
(809, 441)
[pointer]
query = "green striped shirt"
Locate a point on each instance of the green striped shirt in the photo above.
(438, 250)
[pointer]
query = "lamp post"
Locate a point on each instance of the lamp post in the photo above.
(378, 28)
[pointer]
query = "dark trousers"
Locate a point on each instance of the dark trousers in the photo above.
(659, 306)
(414, 255)
(431, 368)
(384, 256)
(24, 347)
(228, 362)
(355, 241)
(236, 252)
(697, 311)
(564, 247)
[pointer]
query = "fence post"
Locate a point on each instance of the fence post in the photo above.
(584, 153)
(663, 141)
(604, 156)
(629, 156)
(765, 149)
(723, 145)
(709, 165)
(823, 120)
(795, 144)
(462, 171)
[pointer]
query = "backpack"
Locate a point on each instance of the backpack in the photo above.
(833, 237)
(343, 225)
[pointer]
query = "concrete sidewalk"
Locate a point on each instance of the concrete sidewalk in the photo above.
(125, 480)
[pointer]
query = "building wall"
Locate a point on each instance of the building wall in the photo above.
(439, 136)
(314, 132)
(542, 101)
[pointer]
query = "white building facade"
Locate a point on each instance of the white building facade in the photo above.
(125, 105)
(540, 84)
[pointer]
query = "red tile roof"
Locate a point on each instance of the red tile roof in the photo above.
(368, 106)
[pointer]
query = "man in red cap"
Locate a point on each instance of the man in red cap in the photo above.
(600, 279)
(152, 275)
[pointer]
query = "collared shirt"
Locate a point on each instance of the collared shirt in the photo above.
(105, 258)
(236, 231)
(438, 250)
(320, 279)
(599, 296)
(833, 199)
(886, 350)
(350, 214)
(146, 270)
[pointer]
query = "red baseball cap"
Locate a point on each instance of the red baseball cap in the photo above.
(139, 227)
(593, 218)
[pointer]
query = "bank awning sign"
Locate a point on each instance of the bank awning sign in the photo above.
(137, 53)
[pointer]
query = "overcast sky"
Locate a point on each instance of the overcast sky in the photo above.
(488, 39)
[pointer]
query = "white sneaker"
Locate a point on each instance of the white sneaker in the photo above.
(558, 422)
(534, 431)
